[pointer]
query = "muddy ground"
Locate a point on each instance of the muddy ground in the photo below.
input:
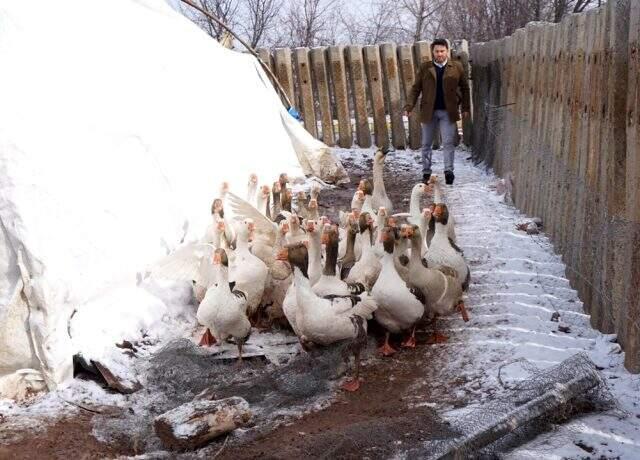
(390, 414)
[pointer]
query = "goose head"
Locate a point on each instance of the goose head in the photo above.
(311, 227)
(358, 200)
(253, 180)
(285, 199)
(276, 189)
(380, 155)
(298, 256)
(388, 238)
(313, 205)
(246, 229)
(265, 191)
(420, 189)
(366, 186)
(315, 192)
(217, 208)
(426, 214)
(365, 222)
(441, 213)
(411, 232)
(220, 258)
(224, 189)
(283, 227)
(283, 179)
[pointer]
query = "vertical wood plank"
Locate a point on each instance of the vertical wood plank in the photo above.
(392, 92)
(301, 59)
(341, 98)
(320, 77)
(374, 80)
(284, 72)
(408, 72)
(353, 55)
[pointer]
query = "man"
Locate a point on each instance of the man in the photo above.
(438, 81)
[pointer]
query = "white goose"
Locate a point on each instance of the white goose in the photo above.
(443, 293)
(325, 321)
(367, 269)
(379, 197)
(249, 272)
(252, 187)
(279, 279)
(224, 310)
(438, 198)
(443, 252)
(329, 283)
(399, 309)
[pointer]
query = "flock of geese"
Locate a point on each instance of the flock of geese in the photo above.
(273, 265)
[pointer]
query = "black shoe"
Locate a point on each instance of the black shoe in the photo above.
(448, 177)
(426, 177)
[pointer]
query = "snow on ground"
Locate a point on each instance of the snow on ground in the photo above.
(518, 282)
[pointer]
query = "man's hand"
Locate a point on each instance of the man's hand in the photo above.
(466, 115)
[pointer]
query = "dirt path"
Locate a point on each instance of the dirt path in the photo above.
(390, 413)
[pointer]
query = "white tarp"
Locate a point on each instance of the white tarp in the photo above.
(119, 120)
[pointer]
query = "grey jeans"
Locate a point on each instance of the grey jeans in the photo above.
(448, 134)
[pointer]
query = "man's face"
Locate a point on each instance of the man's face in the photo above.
(439, 53)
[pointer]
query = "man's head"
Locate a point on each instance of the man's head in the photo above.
(439, 50)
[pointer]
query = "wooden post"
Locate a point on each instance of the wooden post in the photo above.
(422, 51)
(392, 87)
(322, 86)
(301, 58)
(341, 97)
(356, 72)
(408, 72)
(265, 56)
(284, 72)
(374, 78)
(467, 124)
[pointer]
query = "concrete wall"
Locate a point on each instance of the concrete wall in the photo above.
(557, 113)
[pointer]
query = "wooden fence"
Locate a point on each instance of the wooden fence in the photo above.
(557, 113)
(346, 94)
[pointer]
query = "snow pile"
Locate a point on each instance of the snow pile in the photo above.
(119, 121)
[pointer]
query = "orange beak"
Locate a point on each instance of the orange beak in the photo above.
(283, 254)
(310, 227)
(217, 260)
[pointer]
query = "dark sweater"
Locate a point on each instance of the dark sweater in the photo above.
(439, 103)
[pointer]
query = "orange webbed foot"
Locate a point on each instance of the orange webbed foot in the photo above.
(463, 311)
(207, 339)
(351, 385)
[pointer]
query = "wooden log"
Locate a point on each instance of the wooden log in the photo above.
(547, 404)
(322, 87)
(284, 71)
(335, 57)
(408, 76)
(307, 105)
(392, 92)
(374, 80)
(196, 423)
(353, 55)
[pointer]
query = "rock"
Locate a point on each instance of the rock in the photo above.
(198, 422)
(116, 379)
(563, 327)
(537, 221)
(532, 228)
(555, 317)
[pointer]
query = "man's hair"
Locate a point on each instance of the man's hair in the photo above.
(439, 41)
